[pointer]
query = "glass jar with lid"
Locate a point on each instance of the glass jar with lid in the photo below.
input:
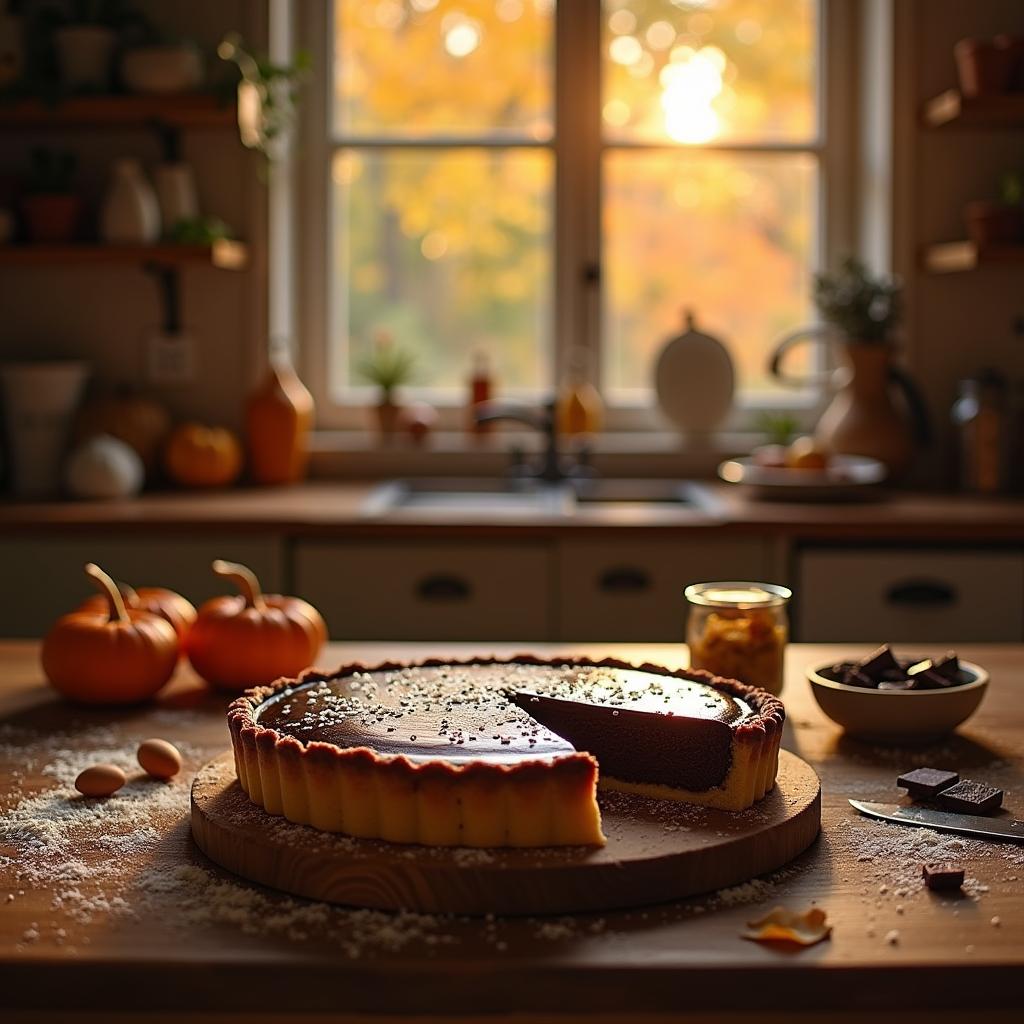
(739, 630)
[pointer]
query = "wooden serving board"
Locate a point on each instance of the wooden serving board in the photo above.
(657, 851)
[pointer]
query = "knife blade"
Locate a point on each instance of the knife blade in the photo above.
(943, 821)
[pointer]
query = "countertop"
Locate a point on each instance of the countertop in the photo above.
(108, 918)
(337, 509)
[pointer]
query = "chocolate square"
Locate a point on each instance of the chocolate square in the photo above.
(948, 666)
(854, 677)
(940, 877)
(924, 783)
(878, 662)
(929, 680)
(969, 797)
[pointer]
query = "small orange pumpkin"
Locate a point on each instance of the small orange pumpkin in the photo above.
(168, 604)
(198, 456)
(252, 638)
(116, 655)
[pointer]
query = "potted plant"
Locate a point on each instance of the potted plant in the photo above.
(268, 94)
(864, 418)
(388, 367)
(1000, 223)
(49, 207)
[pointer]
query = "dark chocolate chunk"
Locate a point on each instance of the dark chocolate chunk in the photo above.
(879, 662)
(942, 876)
(923, 783)
(896, 675)
(969, 797)
(855, 678)
(948, 666)
(929, 680)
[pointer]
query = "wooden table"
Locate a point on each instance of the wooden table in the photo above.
(186, 949)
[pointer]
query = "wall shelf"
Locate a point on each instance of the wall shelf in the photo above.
(957, 257)
(192, 111)
(223, 254)
(951, 109)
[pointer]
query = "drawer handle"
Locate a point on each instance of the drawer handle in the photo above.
(624, 580)
(921, 594)
(442, 587)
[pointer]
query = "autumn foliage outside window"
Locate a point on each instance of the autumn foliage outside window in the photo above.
(444, 126)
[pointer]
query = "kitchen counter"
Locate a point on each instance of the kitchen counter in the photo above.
(336, 509)
(110, 919)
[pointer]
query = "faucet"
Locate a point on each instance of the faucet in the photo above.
(545, 420)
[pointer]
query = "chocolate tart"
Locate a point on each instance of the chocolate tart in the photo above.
(498, 752)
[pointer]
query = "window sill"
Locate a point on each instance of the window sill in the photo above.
(338, 454)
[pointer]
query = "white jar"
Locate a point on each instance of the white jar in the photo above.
(130, 215)
(176, 191)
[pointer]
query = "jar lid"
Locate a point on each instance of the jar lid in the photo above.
(738, 595)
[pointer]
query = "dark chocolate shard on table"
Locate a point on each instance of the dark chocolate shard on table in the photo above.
(967, 797)
(926, 783)
(942, 877)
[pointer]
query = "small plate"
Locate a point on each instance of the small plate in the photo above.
(847, 477)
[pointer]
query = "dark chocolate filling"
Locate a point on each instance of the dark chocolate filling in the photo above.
(641, 726)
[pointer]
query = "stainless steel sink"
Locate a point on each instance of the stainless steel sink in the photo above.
(468, 496)
(489, 497)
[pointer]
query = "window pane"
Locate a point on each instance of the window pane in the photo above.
(731, 236)
(697, 71)
(447, 251)
(464, 68)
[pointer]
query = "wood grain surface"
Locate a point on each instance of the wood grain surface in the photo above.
(683, 960)
(656, 851)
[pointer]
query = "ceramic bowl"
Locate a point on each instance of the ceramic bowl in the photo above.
(898, 716)
(162, 70)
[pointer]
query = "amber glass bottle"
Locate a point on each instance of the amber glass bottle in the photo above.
(278, 422)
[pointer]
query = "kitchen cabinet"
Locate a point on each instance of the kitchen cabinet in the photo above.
(44, 578)
(931, 595)
(633, 590)
(428, 591)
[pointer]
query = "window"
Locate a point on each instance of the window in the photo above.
(536, 180)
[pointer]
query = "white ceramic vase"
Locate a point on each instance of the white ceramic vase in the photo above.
(84, 54)
(131, 214)
(39, 402)
(176, 192)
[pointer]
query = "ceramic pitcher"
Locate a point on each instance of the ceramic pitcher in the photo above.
(876, 410)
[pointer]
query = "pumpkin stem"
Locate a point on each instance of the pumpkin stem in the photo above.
(130, 595)
(244, 578)
(118, 611)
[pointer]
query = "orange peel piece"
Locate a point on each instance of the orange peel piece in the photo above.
(782, 925)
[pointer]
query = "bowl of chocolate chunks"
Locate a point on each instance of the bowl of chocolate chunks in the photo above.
(890, 699)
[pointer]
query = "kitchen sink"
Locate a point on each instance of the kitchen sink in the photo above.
(481, 496)
(469, 496)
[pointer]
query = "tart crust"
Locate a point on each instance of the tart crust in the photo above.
(478, 803)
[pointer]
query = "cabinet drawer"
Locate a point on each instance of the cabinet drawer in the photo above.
(48, 579)
(933, 596)
(428, 591)
(634, 591)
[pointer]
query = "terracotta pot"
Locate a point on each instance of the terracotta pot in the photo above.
(991, 224)
(864, 419)
(982, 67)
(51, 218)
(387, 419)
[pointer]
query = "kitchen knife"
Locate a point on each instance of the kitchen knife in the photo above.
(944, 821)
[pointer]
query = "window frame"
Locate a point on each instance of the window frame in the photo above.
(577, 148)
